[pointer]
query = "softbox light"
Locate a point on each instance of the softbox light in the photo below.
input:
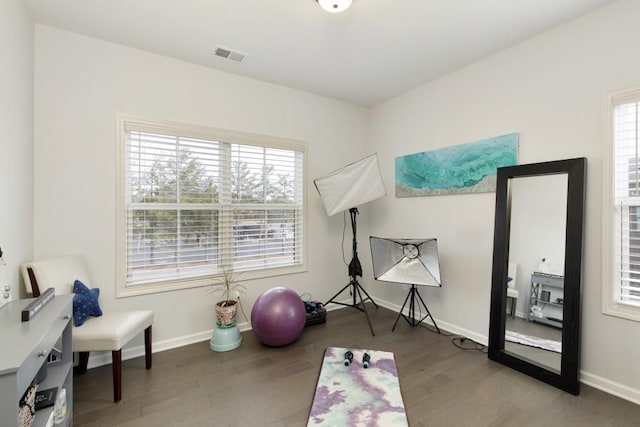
(409, 261)
(351, 186)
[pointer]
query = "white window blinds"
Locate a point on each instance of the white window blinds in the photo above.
(626, 230)
(198, 200)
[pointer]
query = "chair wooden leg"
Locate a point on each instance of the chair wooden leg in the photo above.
(147, 347)
(514, 301)
(83, 361)
(117, 374)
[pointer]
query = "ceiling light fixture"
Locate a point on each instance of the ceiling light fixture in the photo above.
(334, 6)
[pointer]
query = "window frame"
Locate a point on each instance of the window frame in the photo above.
(610, 304)
(199, 132)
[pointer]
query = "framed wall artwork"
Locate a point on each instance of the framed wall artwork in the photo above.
(459, 169)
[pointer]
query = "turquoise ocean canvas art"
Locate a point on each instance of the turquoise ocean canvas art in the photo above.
(459, 169)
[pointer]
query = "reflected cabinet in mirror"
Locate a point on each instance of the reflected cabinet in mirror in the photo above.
(534, 324)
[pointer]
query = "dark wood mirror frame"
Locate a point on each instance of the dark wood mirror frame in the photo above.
(568, 377)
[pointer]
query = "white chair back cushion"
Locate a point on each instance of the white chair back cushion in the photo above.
(513, 273)
(58, 273)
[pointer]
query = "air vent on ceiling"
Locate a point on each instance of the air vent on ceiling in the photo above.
(232, 55)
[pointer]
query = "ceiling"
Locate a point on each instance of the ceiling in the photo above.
(375, 50)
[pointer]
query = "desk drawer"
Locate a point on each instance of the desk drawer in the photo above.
(40, 351)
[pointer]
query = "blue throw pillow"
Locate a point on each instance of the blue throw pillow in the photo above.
(85, 302)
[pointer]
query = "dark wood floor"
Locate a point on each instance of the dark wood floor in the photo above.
(254, 385)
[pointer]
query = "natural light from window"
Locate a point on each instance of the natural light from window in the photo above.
(621, 284)
(195, 201)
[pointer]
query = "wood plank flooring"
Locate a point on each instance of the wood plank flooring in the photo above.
(254, 385)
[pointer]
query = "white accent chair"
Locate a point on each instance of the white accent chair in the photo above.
(512, 292)
(109, 332)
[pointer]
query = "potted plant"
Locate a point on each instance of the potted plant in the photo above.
(229, 290)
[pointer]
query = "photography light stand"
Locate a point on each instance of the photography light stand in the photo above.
(408, 261)
(355, 269)
(344, 189)
(411, 318)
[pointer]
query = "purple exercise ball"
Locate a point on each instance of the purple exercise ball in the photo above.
(278, 317)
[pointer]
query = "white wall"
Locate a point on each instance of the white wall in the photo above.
(82, 83)
(549, 90)
(16, 141)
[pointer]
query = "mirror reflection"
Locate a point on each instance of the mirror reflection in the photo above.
(535, 292)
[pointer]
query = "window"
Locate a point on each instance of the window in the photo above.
(195, 200)
(621, 214)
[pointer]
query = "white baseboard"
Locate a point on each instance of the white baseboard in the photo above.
(100, 358)
(104, 358)
(620, 390)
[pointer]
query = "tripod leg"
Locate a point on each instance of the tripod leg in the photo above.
(400, 312)
(412, 306)
(368, 296)
(364, 308)
(428, 314)
(357, 290)
(339, 292)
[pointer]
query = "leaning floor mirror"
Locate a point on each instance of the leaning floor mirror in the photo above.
(534, 324)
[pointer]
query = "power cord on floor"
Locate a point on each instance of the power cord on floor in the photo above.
(464, 343)
(460, 341)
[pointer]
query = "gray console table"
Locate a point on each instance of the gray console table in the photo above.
(26, 347)
(545, 291)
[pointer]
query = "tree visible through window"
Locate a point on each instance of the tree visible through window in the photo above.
(196, 204)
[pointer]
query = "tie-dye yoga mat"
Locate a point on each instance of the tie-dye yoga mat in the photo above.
(357, 396)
